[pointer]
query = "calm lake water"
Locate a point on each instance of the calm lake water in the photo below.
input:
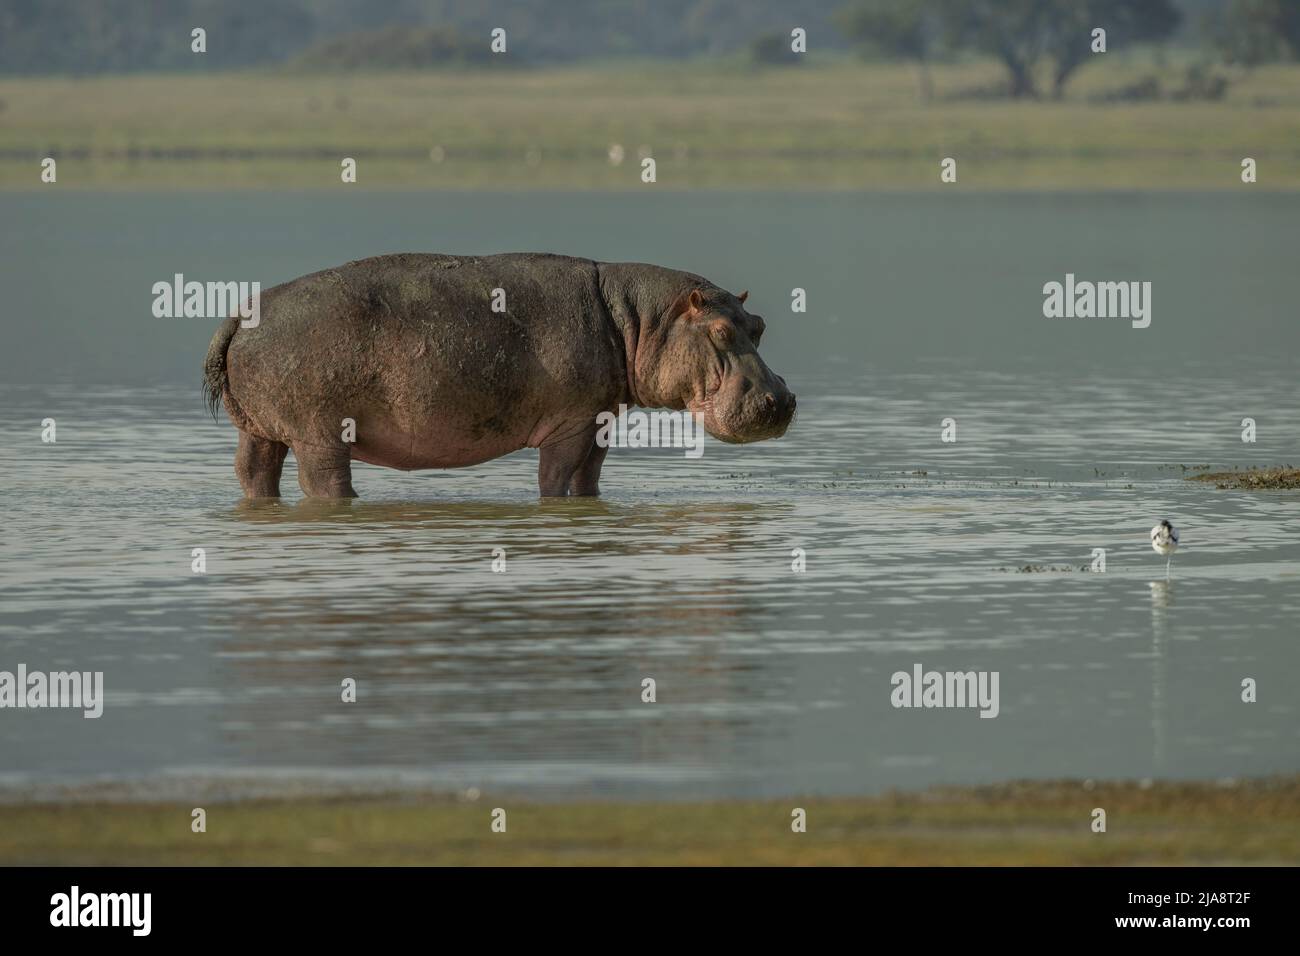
(1072, 435)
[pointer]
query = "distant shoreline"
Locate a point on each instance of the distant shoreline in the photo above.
(839, 126)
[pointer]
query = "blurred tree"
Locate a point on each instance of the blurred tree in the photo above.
(240, 35)
(1249, 32)
(773, 49)
(94, 36)
(1027, 35)
(396, 48)
(899, 29)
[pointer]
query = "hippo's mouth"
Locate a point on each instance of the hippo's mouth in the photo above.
(703, 412)
(727, 428)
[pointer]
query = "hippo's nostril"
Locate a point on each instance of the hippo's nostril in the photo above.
(769, 402)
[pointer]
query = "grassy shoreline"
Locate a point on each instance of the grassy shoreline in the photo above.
(839, 125)
(1035, 823)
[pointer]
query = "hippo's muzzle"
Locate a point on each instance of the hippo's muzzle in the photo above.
(748, 408)
(778, 411)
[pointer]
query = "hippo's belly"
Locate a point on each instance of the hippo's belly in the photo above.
(444, 443)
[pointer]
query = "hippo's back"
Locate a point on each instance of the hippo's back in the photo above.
(428, 290)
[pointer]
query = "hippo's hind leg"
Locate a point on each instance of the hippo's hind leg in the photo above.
(257, 463)
(324, 471)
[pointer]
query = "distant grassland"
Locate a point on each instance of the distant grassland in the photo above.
(1049, 823)
(840, 125)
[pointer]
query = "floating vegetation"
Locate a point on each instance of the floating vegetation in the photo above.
(1254, 479)
(1044, 569)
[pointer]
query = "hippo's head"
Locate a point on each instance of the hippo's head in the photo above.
(707, 361)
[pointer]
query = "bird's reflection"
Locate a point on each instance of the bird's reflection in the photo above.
(1162, 598)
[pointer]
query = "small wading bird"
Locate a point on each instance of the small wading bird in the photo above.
(1164, 540)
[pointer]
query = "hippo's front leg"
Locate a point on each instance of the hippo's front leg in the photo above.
(560, 462)
(586, 480)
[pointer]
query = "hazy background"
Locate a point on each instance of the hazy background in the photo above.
(709, 88)
(103, 36)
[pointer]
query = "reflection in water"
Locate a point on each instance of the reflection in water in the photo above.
(1162, 595)
(769, 680)
(437, 641)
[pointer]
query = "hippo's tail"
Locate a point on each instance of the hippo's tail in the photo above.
(214, 366)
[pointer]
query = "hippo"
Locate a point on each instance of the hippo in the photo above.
(447, 361)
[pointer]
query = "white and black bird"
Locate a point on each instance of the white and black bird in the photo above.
(1164, 540)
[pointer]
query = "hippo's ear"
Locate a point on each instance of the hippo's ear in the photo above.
(695, 301)
(743, 296)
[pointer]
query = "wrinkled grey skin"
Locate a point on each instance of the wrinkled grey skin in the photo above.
(409, 348)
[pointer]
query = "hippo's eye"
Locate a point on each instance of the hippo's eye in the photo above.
(721, 332)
